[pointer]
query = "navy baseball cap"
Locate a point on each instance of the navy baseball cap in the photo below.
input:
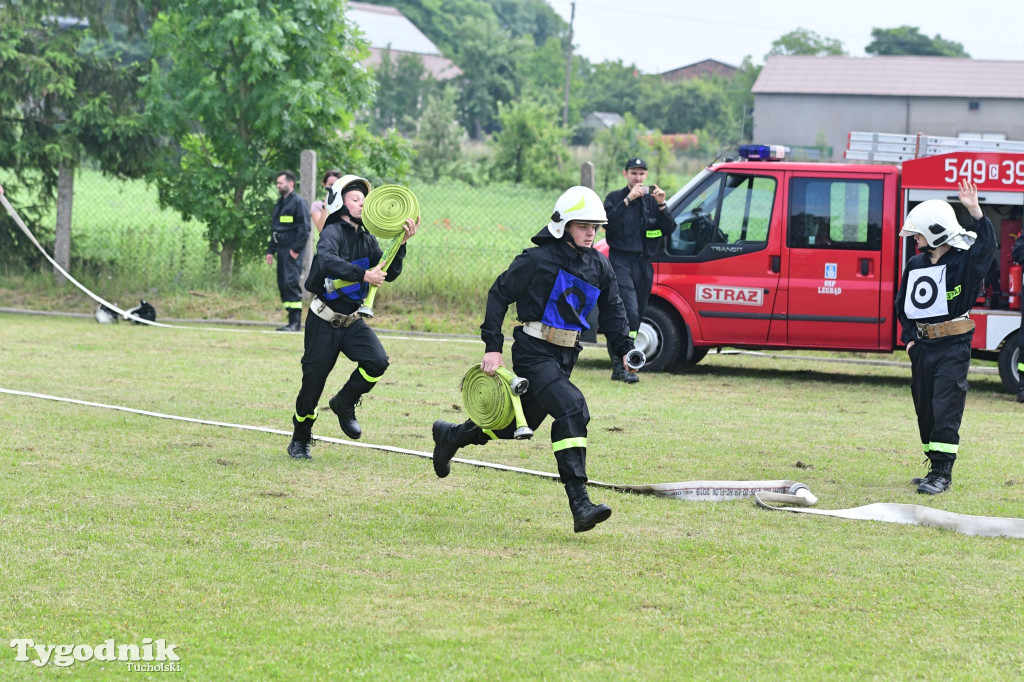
(636, 162)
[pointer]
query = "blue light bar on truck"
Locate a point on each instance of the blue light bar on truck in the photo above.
(763, 152)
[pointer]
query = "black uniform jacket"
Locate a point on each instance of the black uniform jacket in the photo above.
(951, 284)
(1017, 254)
(290, 222)
(346, 252)
(639, 227)
(557, 284)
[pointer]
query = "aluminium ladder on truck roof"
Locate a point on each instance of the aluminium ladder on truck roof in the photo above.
(893, 147)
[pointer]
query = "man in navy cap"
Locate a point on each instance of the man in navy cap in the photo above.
(637, 225)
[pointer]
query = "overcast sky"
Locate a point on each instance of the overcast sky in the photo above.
(659, 35)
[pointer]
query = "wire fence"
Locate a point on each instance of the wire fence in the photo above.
(468, 235)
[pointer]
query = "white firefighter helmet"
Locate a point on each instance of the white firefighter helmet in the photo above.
(335, 198)
(935, 221)
(576, 203)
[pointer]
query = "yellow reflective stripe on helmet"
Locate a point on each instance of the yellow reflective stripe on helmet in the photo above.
(632, 335)
(490, 434)
(578, 205)
(653, 234)
(366, 376)
(308, 416)
(950, 448)
(293, 304)
(1020, 366)
(579, 442)
(286, 219)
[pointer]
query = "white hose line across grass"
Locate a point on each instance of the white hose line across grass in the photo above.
(763, 492)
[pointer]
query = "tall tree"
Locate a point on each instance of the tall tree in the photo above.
(804, 42)
(247, 85)
(908, 40)
(64, 95)
(438, 136)
(402, 84)
(529, 147)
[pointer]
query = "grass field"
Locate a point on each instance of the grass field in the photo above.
(362, 564)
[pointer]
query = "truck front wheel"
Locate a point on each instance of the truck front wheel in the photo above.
(662, 338)
(1009, 356)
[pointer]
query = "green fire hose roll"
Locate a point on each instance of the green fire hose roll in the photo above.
(489, 400)
(387, 208)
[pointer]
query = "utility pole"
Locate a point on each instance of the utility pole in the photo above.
(568, 69)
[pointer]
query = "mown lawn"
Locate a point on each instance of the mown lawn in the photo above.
(362, 564)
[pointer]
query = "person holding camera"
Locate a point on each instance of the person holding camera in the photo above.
(637, 224)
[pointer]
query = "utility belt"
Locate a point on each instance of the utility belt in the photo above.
(960, 325)
(278, 236)
(553, 335)
(337, 320)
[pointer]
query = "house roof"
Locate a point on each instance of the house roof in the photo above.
(607, 119)
(701, 68)
(387, 28)
(892, 76)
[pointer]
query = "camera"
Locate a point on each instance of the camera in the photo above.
(649, 189)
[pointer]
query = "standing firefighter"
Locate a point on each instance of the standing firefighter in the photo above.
(554, 286)
(1017, 254)
(939, 286)
(289, 225)
(346, 264)
(637, 224)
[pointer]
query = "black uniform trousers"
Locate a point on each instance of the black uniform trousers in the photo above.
(635, 275)
(939, 387)
(289, 274)
(547, 367)
(324, 343)
(1020, 355)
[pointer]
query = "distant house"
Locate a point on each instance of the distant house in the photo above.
(703, 69)
(386, 29)
(818, 101)
(601, 120)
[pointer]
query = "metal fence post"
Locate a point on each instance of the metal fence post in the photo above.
(587, 174)
(307, 190)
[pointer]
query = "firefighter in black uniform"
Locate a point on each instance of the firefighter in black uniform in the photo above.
(346, 264)
(1017, 254)
(938, 289)
(637, 225)
(554, 287)
(289, 224)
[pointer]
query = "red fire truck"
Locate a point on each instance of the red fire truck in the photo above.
(773, 254)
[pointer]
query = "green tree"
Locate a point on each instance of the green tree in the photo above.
(529, 147)
(908, 40)
(615, 145)
(804, 42)
(401, 86)
(486, 57)
(247, 85)
(64, 96)
(439, 136)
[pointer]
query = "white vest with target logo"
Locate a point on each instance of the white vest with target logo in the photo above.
(926, 293)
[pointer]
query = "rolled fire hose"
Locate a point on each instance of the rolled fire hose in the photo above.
(384, 214)
(492, 402)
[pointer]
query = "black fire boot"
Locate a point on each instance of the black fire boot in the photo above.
(938, 480)
(299, 449)
(344, 403)
(448, 438)
(618, 371)
(294, 321)
(585, 514)
(630, 377)
(302, 437)
(1020, 391)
